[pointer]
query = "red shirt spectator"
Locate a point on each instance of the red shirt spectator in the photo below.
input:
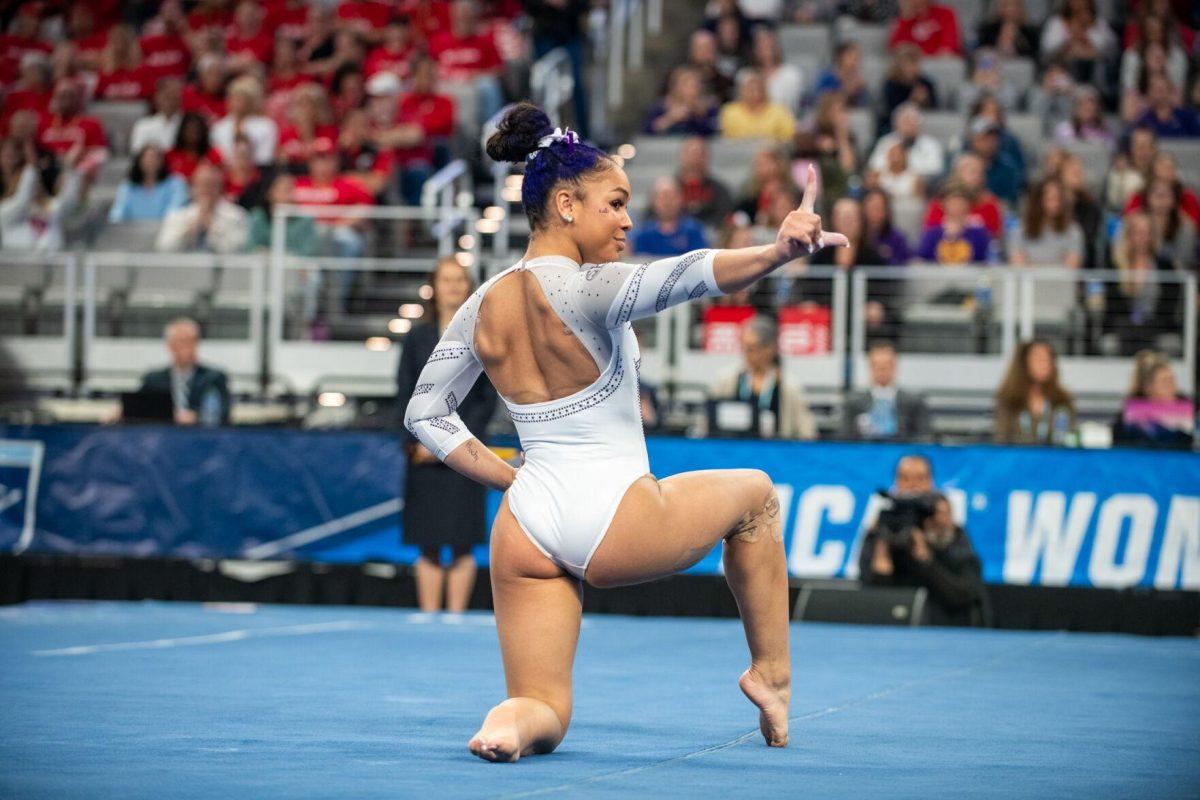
(206, 96)
(429, 17)
(211, 106)
(365, 17)
(21, 39)
(255, 47)
(337, 191)
(214, 16)
(394, 54)
(295, 147)
(248, 41)
(35, 100)
(184, 162)
(931, 27)
(325, 186)
(382, 60)
(984, 211)
(462, 58)
(1189, 204)
(288, 18)
(286, 83)
(135, 83)
(434, 113)
(165, 54)
(66, 124)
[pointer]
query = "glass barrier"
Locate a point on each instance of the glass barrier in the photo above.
(129, 298)
(37, 319)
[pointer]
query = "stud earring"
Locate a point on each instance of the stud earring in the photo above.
(568, 218)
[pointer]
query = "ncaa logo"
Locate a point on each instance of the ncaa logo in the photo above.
(20, 471)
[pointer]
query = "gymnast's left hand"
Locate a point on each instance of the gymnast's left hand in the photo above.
(800, 234)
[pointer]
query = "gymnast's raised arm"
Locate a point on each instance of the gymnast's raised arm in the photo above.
(614, 294)
(432, 413)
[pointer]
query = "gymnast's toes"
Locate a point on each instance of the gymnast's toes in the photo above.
(500, 745)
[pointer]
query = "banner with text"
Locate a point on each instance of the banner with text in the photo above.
(1035, 516)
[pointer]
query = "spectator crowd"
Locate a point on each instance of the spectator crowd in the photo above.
(245, 104)
(242, 106)
(1095, 184)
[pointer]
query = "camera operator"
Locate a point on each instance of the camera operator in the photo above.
(915, 542)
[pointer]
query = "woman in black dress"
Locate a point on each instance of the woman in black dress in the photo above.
(442, 507)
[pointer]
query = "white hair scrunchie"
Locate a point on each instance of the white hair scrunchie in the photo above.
(559, 135)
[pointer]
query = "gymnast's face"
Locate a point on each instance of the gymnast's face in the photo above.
(601, 216)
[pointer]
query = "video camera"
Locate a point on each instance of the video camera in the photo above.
(902, 514)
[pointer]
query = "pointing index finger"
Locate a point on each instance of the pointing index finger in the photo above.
(810, 191)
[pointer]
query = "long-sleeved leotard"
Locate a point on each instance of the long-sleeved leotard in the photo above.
(582, 451)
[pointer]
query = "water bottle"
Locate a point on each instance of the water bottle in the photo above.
(1094, 294)
(983, 294)
(210, 409)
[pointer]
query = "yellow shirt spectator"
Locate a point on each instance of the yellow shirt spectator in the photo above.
(752, 115)
(771, 121)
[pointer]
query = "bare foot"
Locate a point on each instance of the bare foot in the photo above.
(496, 743)
(772, 701)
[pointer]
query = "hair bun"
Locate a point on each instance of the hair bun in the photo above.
(518, 133)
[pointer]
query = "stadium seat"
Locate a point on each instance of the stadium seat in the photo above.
(811, 66)
(1187, 158)
(946, 73)
(1029, 130)
(874, 70)
(908, 214)
(132, 237)
(118, 119)
(1019, 72)
(870, 38)
(466, 106)
(1036, 11)
(1095, 159)
(730, 160)
(808, 40)
(862, 125)
(114, 170)
(944, 126)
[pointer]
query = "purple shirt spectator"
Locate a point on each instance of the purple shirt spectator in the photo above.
(892, 247)
(968, 246)
(1180, 123)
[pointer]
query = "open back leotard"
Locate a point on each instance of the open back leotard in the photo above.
(582, 451)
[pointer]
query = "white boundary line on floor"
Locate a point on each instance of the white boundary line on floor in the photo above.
(210, 638)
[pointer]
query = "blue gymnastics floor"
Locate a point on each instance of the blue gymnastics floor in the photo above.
(153, 700)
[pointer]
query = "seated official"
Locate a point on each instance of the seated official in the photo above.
(199, 393)
(884, 411)
(925, 548)
(756, 400)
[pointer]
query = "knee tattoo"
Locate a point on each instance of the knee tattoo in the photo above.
(755, 523)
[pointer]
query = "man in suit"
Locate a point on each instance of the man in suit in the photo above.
(883, 411)
(199, 394)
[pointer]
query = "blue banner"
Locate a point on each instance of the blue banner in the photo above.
(1036, 516)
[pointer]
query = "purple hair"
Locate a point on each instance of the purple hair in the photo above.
(566, 160)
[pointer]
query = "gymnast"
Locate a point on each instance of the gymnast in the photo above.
(553, 334)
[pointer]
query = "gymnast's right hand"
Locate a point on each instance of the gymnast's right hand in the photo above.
(801, 234)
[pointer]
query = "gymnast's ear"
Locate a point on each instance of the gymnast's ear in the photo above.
(564, 203)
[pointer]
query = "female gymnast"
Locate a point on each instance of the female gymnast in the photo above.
(553, 334)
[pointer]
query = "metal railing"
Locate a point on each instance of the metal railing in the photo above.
(40, 293)
(224, 293)
(955, 328)
(551, 83)
(302, 352)
(448, 192)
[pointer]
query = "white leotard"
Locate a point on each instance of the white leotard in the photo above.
(581, 451)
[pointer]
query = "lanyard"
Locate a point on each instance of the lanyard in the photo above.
(764, 397)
